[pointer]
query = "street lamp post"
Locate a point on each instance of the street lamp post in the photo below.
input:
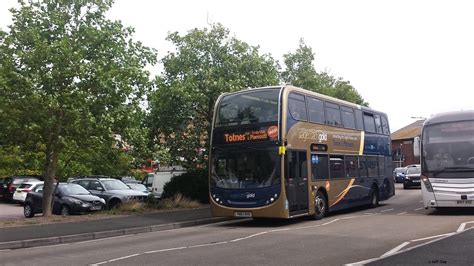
(400, 155)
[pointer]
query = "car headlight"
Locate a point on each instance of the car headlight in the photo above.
(102, 200)
(76, 201)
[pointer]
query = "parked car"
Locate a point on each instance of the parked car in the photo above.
(155, 182)
(113, 191)
(3, 188)
(13, 182)
(68, 199)
(412, 176)
(21, 192)
(399, 174)
(139, 187)
(129, 180)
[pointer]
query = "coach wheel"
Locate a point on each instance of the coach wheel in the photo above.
(374, 198)
(320, 205)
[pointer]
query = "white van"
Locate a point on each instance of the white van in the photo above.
(157, 180)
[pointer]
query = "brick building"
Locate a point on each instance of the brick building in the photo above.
(403, 144)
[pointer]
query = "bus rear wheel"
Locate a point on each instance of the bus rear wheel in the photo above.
(320, 205)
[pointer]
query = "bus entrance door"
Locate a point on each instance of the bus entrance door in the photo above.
(296, 182)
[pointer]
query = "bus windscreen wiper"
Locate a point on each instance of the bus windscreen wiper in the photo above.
(454, 169)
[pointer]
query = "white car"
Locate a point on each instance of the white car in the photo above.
(21, 192)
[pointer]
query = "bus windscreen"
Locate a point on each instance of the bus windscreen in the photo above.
(245, 168)
(449, 148)
(248, 107)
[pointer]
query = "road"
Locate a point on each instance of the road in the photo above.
(358, 235)
(10, 211)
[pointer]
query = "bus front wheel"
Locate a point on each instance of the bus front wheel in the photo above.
(374, 198)
(320, 205)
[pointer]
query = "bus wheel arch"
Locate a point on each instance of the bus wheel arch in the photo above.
(321, 205)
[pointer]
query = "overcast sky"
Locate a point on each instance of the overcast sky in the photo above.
(406, 58)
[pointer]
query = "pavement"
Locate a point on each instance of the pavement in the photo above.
(58, 233)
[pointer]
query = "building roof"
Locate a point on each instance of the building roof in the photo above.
(409, 132)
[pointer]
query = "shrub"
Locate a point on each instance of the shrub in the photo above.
(193, 185)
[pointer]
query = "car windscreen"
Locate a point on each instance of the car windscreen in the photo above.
(25, 185)
(73, 189)
(248, 107)
(140, 187)
(114, 185)
(17, 181)
(414, 170)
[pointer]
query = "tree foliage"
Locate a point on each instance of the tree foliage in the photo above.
(70, 79)
(206, 63)
(300, 71)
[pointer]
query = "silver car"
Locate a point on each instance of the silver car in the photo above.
(113, 191)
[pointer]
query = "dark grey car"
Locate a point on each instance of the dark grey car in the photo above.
(113, 191)
(412, 176)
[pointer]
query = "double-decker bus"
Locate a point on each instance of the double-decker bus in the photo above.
(283, 152)
(447, 160)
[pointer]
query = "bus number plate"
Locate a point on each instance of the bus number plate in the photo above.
(243, 214)
(464, 202)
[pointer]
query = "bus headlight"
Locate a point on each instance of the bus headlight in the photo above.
(427, 183)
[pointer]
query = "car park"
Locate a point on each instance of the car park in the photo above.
(13, 182)
(68, 199)
(399, 174)
(20, 193)
(412, 176)
(113, 191)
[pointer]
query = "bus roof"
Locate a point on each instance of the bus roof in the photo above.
(450, 117)
(308, 92)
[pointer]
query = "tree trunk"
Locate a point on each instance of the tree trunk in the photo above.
(50, 168)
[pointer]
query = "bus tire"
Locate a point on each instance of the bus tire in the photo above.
(320, 206)
(374, 197)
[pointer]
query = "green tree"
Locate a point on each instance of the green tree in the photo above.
(300, 71)
(70, 78)
(206, 63)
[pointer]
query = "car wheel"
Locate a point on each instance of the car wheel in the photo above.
(374, 198)
(28, 210)
(406, 186)
(65, 210)
(320, 206)
(115, 203)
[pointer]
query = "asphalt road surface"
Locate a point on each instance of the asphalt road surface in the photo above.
(357, 236)
(10, 211)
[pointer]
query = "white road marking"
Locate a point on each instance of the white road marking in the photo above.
(250, 236)
(125, 257)
(207, 245)
(431, 237)
(418, 209)
(401, 213)
(399, 247)
(421, 201)
(387, 210)
(463, 226)
(164, 250)
(225, 242)
(335, 220)
(395, 249)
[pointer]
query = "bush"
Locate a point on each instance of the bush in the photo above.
(193, 185)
